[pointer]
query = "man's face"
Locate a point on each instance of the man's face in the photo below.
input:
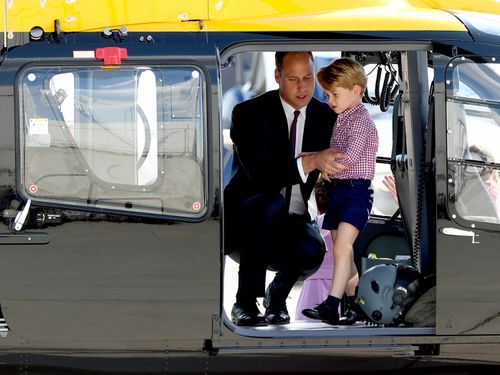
(296, 79)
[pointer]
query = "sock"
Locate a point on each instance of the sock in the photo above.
(332, 302)
(245, 300)
(351, 302)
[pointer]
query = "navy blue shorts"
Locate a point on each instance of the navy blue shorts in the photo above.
(349, 201)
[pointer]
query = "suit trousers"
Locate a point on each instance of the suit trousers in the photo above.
(268, 237)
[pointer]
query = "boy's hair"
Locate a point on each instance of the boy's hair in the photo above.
(280, 56)
(345, 73)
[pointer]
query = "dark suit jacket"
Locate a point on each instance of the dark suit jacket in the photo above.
(261, 161)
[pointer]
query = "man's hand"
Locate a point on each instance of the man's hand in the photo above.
(325, 161)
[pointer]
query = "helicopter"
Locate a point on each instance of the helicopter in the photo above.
(114, 154)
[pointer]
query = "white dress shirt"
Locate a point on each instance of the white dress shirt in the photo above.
(296, 202)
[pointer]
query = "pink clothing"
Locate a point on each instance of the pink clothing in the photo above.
(312, 294)
(494, 192)
(355, 134)
(325, 271)
(317, 286)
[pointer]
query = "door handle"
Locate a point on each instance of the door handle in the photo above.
(460, 233)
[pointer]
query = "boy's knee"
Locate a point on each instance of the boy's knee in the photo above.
(343, 250)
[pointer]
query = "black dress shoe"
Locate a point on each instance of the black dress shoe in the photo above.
(276, 311)
(353, 313)
(247, 314)
(277, 317)
(323, 312)
(349, 318)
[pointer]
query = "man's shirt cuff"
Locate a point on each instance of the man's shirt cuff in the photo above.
(303, 176)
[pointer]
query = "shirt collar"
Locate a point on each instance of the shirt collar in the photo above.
(350, 111)
(289, 110)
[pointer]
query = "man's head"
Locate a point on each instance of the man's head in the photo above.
(294, 74)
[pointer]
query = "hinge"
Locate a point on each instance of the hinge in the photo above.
(209, 348)
(215, 325)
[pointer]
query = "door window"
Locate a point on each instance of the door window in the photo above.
(473, 122)
(130, 139)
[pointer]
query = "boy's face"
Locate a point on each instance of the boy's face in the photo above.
(342, 99)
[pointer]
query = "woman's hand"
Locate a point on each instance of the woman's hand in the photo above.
(390, 184)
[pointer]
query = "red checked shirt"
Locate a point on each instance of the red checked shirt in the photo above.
(356, 136)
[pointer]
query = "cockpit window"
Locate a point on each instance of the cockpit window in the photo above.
(473, 121)
(129, 139)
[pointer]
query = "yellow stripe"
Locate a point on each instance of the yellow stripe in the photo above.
(239, 15)
(481, 6)
(95, 15)
(361, 19)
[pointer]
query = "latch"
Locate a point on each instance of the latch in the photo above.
(460, 233)
(17, 219)
(111, 55)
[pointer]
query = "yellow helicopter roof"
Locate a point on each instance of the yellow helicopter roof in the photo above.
(238, 15)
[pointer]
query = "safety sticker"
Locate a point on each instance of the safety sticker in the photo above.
(38, 126)
(83, 54)
(196, 206)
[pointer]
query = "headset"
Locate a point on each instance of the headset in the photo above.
(387, 291)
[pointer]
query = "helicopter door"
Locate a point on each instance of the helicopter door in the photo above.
(115, 165)
(467, 118)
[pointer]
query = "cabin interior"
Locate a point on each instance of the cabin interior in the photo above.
(401, 229)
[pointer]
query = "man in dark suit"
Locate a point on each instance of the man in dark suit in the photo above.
(269, 209)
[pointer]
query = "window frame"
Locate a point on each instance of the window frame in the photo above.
(459, 164)
(202, 119)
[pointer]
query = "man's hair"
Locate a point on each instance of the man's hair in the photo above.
(280, 56)
(345, 73)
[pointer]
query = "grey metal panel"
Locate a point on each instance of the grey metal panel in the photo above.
(113, 282)
(468, 301)
(467, 277)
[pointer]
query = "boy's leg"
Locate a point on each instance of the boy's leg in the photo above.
(343, 255)
(351, 313)
(353, 282)
(344, 271)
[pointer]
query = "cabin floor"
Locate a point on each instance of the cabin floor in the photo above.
(297, 327)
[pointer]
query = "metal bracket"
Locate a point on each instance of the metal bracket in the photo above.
(216, 326)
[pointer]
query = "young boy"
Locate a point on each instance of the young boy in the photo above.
(350, 192)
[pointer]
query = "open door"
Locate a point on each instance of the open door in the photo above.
(467, 118)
